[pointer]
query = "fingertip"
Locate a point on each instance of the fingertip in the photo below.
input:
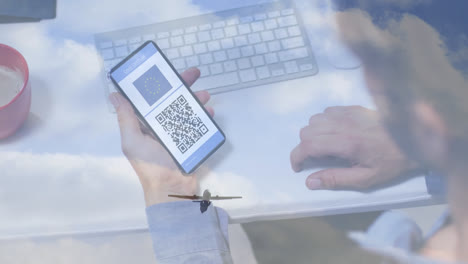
(210, 111)
(314, 183)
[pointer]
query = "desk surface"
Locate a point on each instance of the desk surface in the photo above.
(64, 170)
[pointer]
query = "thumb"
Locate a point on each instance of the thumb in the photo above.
(342, 178)
(128, 121)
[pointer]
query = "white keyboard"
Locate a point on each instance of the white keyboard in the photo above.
(234, 49)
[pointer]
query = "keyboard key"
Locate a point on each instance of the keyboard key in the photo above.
(121, 51)
(254, 38)
(192, 61)
(244, 29)
(172, 53)
(274, 45)
(271, 58)
(186, 51)
(243, 63)
(214, 45)
(163, 35)
(200, 48)
(231, 31)
(134, 47)
(281, 33)
(247, 51)
(120, 42)
(307, 67)
(177, 41)
(204, 36)
(233, 21)
(291, 67)
(240, 41)
(293, 54)
(290, 43)
(179, 64)
(287, 21)
(260, 16)
(274, 14)
(190, 39)
(217, 33)
(277, 71)
(149, 37)
(257, 61)
(257, 26)
(105, 44)
(230, 66)
(163, 43)
(206, 58)
(216, 68)
(177, 32)
(234, 53)
(227, 43)
(134, 40)
(109, 64)
(216, 81)
(271, 24)
(220, 56)
(191, 29)
(204, 71)
(268, 35)
(261, 48)
(204, 27)
(107, 54)
(246, 19)
(288, 11)
(263, 72)
(294, 31)
(248, 75)
(219, 24)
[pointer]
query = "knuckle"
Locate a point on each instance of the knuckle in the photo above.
(303, 133)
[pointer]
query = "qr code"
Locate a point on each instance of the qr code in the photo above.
(182, 124)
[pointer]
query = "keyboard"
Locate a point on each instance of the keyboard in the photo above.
(234, 49)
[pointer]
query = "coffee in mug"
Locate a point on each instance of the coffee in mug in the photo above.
(11, 83)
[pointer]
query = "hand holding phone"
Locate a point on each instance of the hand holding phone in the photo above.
(166, 106)
(158, 173)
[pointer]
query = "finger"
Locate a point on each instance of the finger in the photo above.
(342, 178)
(128, 121)
(203, 96)
(210, 110)
(322, 146)
(309, 133)
(190, 76)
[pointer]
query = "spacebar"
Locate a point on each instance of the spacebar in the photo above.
(215, 81)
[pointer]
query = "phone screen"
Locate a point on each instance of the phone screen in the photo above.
(161, 98)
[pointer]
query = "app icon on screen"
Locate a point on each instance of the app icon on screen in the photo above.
(152, 85)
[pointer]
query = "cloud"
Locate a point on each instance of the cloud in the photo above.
(44, 193)
(325, 89)
(122, 249)
(96, 16)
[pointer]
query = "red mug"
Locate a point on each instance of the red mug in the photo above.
(14, 113)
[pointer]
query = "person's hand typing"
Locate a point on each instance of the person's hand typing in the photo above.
(357, 135)
(157, 172)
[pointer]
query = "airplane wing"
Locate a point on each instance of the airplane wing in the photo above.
(225, 197)
(190, 197)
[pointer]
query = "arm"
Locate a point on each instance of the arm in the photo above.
(180, 233)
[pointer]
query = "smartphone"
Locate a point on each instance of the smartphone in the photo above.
(165, 104)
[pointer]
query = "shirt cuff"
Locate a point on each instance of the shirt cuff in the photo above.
(179, 229)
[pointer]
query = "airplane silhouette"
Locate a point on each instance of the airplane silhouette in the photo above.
(205, 200)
